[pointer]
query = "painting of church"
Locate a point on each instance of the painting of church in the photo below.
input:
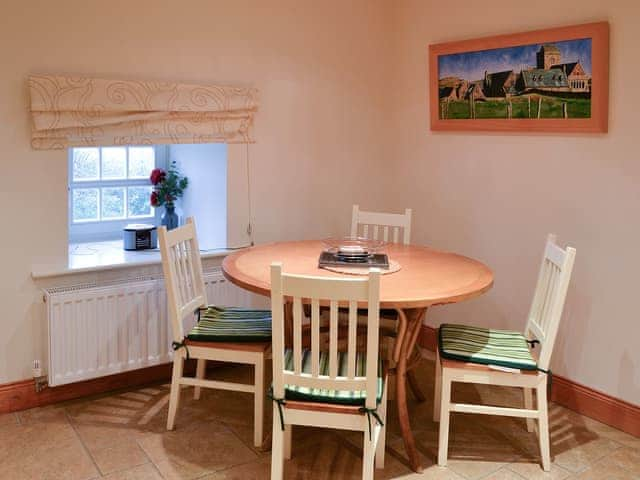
(549, 76)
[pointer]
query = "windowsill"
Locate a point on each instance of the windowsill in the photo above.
(107, 255)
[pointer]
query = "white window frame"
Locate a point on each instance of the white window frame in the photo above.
(98, 230)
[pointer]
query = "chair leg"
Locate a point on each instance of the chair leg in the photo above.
(258, 402)
(543, 426)
(277, 447)
(368, 457)
(174, 395)
(200, 369)
(445, 401)
(288, 431)
(382, 438)
(438, 388)
(528, 404)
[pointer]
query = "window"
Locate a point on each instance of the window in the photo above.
(108, 188)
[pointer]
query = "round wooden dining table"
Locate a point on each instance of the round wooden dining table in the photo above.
(426, 277)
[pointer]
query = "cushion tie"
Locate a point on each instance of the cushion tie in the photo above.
(533, 342)
(178, 345)
(280, 402)
(371, 412)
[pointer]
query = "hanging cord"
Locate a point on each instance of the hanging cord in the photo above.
(281, 402)
(250, 216)
(178, 345)
(371, 412)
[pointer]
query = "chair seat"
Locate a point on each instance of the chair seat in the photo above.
(340, 397)
(231, 324)
(485, 346)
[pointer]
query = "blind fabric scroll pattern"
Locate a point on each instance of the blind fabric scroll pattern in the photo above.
(72, 111)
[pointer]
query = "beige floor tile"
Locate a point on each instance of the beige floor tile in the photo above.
(433, 473)
(503, 474)
(560, 416)
(97, 437)
(43, 446)
(121, 456)
(533, 471)
(194, 450)
(627, 458)
(48, 414)
(324, 454)
(474, 469)
(337, 459)
(256, 470)
(606, 469)
(56, 463)
(142, 472)
(576, 455)
(8, 419)
(35, 439)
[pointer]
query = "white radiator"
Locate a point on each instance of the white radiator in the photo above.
(102, 329)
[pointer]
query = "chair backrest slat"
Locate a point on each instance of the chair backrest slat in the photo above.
(352, 338)
(182, 268)
(362, 220)
(297, 335)
(315, 337)
(549, 298)
(336, 292)
(333, 339)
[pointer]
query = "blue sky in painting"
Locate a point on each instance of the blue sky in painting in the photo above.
(472, 65)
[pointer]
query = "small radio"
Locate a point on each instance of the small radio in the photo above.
(140, 236)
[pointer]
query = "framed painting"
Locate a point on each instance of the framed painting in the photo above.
(554, 80)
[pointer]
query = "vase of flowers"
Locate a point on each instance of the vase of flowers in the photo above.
(168, 187)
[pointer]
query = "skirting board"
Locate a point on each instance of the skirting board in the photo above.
(579, 398)
(22, 394)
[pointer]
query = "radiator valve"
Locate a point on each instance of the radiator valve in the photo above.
(39, 379)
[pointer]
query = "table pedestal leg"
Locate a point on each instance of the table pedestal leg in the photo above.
(412, 318)
(415, 387)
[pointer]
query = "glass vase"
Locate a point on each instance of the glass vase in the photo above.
(169, 217)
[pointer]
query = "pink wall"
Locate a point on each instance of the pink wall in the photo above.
(495, 197)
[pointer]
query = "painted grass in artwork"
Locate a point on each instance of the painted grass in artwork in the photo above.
(497, 108)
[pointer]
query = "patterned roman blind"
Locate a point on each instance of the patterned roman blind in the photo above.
(71, 111)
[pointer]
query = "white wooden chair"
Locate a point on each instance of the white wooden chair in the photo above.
(310, 390)
(472, 355)
(368, 225)
(222, 334)
(362, 222)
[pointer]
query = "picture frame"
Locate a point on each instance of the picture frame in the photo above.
(554, 80)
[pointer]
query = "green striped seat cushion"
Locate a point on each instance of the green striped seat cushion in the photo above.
(486, 346)
(342, 397)
(231, 324)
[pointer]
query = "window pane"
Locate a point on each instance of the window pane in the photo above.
(114, 163)
(85, 164)
(112, 203)
(141, 161)
(139, 203)
(85, 204)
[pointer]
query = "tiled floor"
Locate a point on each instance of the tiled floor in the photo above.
(122, 436)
